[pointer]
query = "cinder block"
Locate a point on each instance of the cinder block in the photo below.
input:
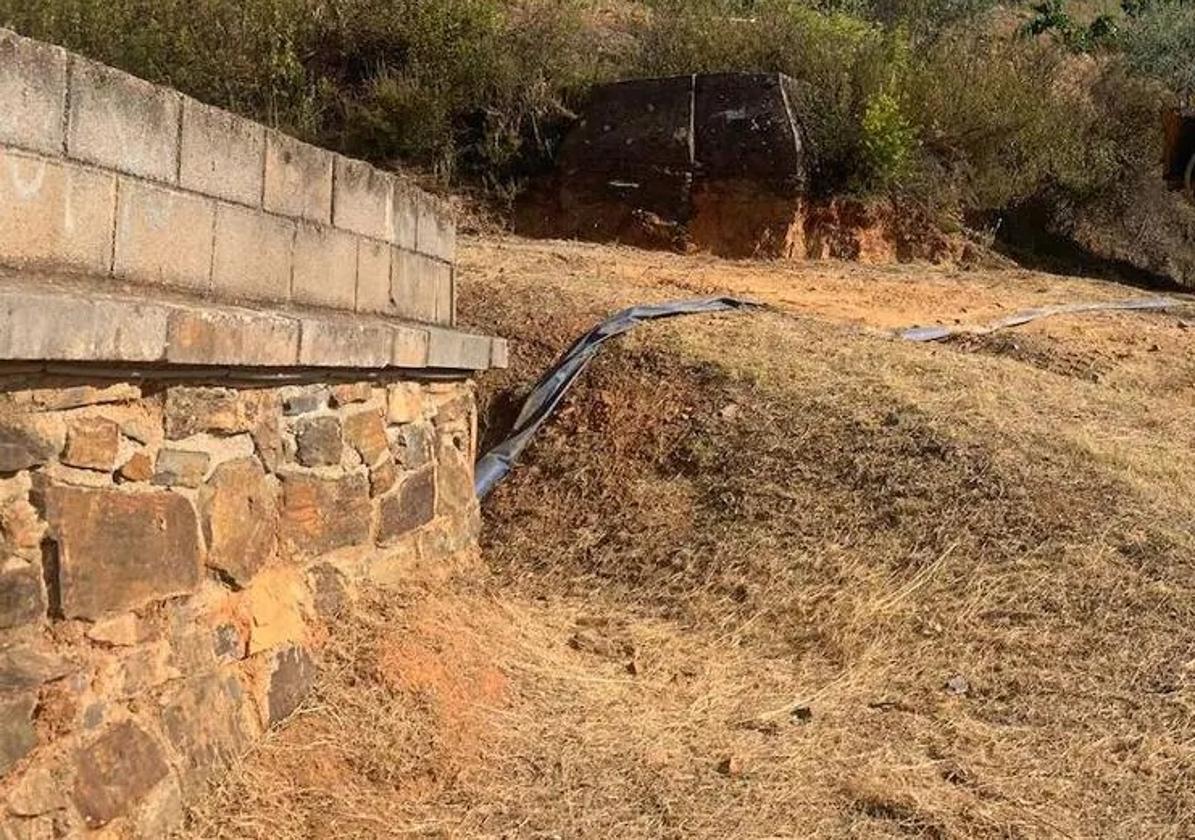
(325, 267)
(405, 220)
(373, 276)
(298, 179)
(163, 237)
(436, 232)
(414, 280)
(55, 213)
(217, 337)
(363, 199)
(445, 283)
(222, 155)
(123, 123)
(457, 350)
(499, 353)
(32, 93)
(345, 343)
(253, 255)
(410, 347)
(47, 326)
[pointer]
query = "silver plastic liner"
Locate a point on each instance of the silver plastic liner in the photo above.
(550, 390)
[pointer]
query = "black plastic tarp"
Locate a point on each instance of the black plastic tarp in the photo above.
(551, 388)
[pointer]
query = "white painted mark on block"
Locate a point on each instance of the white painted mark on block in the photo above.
(27, 185)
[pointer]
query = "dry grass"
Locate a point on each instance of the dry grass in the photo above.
(772, 576)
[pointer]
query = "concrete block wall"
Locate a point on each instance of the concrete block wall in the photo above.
(105, 174)
(174, 539)
(171, 557)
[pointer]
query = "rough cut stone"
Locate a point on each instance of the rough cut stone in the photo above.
(92, 443)
(366, 432)
(331, 593)
(114, 772)
(190, 411)
(292, 674)
(382, 477)
(205, 723)
(412, 505)
(179, 468)
(414, 448)
(240, 518)
(29, 440)
(120, 631)
(356, 392)
(265, 408)
(305, 403)
(17, 735)
(146, 667)
(455, 470)
(319, 441)
(21, 598)
(36, 793)
(31, 665)
(161, 812)
(140, 467)
(21, 530)
(59, 399)
(322, 514)
(228, 644)
(404, 402)
(118, 550)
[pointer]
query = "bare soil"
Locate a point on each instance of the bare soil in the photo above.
(781, 575)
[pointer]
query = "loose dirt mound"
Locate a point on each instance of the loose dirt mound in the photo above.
(737, 220)
(771, 576)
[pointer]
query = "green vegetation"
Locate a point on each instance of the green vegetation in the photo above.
(962, 105)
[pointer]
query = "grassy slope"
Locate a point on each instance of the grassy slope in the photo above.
(778, 575)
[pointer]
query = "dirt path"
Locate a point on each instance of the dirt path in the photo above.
(884, 297)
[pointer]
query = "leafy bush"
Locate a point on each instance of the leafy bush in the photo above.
(936, 99)
(440, 83)
(1160, 41)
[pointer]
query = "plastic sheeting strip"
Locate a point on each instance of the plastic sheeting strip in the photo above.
(941, 333)
(551, 388)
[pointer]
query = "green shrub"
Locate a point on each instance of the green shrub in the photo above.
(440, 83)
(934, 99)
(889, 141)
(1159, 40)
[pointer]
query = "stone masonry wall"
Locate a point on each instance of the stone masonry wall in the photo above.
(170, 554)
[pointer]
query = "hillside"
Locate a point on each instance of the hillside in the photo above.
(1005, 118)
(779, 574)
